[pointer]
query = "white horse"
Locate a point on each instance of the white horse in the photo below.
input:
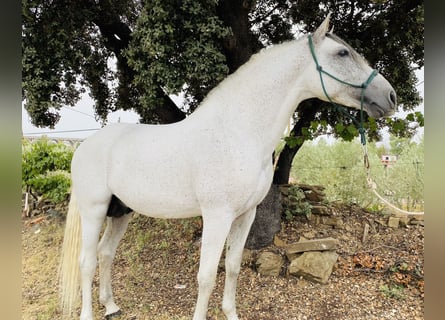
(216, 163)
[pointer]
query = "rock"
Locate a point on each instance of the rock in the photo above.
(335, 222)
(417, 222)
(393, 222)
(310, 234)
(277, 241)
(313, 196)
(248, 257)
(404, 221)
(315, 219)
(267, 221)
(419, 217)
(319, 190)
(322, 210)
(284, 189)
(314, 266)
(269, 263)
(312, 245)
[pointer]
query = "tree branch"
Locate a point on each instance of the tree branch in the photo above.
(117, 37)
(262, 18)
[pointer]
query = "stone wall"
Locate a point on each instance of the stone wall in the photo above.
(312, 259)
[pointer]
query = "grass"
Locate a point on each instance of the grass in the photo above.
(393, 291)
(40, 249)
(154, 278)
(145, 237)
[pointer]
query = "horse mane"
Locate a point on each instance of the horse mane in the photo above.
(253, 61)
(259, 57)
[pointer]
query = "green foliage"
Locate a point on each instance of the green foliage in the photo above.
(405, 127)
(296, 203)
(46, 167)
(159, 47)
(393, 291)
(346, 132)
(177, 45)
(172, 46)
(54, 185)
(56, 46)
(307, 133)
(64, 54)
(339, 168)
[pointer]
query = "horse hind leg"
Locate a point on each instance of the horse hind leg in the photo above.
(115, 230)
(92, 218)
(235, 244)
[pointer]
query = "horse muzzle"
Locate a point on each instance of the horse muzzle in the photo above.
(380, 105)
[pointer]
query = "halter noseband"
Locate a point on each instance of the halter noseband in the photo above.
(363, 86)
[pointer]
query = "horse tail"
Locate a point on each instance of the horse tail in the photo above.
(69, 269)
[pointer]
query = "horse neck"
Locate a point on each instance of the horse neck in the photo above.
(256, 102)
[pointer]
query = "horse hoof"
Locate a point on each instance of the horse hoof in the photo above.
(113, 315)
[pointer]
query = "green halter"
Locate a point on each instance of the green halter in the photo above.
(363, 86)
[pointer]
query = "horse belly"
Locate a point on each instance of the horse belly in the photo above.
(157, 193)
(170, 207)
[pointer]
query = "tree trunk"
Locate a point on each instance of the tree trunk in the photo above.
(268, 216)
(267, 220)
(306, 113)
(240, 45)
(168, 112)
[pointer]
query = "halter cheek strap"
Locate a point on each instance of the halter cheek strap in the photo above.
(363, 87)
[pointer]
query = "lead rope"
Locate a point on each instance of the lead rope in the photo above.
(371, 184)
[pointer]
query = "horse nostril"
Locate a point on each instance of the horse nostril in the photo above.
(392, 97)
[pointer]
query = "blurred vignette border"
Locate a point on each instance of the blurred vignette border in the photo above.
(10, 159)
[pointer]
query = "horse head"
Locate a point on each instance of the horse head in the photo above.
(343, 76)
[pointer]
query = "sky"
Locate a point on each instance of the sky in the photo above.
(79, 121)
(75, 122)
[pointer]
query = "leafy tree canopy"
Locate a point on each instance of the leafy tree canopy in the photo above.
(133, 54)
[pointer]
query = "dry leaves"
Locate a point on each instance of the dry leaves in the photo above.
(154, 275)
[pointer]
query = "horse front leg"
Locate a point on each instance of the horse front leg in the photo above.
(234, 251)
(113, 234)
(216, 226)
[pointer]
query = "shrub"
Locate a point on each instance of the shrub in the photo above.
(296, 203)
(46, 168)
(54, 185)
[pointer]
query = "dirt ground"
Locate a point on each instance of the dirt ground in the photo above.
(154, 275)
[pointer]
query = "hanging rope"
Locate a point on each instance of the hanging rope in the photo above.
(373, 186)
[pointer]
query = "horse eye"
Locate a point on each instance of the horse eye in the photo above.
(343, 53)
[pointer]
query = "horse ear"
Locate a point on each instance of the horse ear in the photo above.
(321, 31)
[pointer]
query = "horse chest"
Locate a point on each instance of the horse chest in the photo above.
(239, 186)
